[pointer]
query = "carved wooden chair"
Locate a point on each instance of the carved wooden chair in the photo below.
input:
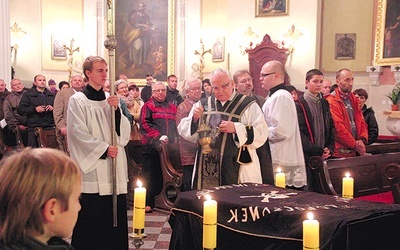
(172, 174)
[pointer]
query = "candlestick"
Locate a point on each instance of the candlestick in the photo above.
(139, 204)
(310, 233)
(209, 223)
(347, 186)
(280, 179)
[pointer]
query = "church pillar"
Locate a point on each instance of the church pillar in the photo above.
(5, 47)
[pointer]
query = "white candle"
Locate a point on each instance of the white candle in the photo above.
(210, 223)
(347, 186)
(139, 204)
(310, 233)
(280, 179)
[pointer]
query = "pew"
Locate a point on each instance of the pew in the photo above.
(172, 174)
(46, 137)
(372, 174)
(392, 173)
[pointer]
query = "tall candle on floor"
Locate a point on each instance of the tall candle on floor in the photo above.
(139, 204)
(210, 223)
(310, 233)
(347, 186)
(280, 179)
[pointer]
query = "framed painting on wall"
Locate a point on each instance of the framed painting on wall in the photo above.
(218, 50)
(145, 36)
(345, 46)
(265, 8)
(387, 33)
(58, 51)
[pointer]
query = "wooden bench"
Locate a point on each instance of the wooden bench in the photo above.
(47, 138)
(172, 174)
(369, 173)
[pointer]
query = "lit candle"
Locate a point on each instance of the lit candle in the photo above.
(139, 204)
(310, 233)
(347, 186)
(280, 179)
(209, 223)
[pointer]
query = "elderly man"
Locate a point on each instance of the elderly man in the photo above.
(351, 132)
(61, 107)
(239, 128)
(157, 125)
(187, 148)
(13, 119)
(284, 134)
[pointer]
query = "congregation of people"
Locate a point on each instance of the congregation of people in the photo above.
(251, 136)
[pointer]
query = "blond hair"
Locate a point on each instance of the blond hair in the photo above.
(28, 179)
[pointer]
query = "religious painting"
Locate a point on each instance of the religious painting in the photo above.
(345, 46)
(265, 8)
(218, 50)
(58, 51)
(144, 33)
(387, 33)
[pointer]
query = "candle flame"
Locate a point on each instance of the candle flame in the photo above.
(279, 170)
(347, 175)
(139, 183)
(310, 216)
(208, 197)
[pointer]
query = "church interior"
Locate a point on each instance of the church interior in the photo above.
(191, 38)
(195, 26)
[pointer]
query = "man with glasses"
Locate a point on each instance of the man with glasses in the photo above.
(284, 134)
(187, 148)
(237, 128)
(157, 125)
(244, 85)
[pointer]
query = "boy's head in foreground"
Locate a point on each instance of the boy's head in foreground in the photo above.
(39, 195)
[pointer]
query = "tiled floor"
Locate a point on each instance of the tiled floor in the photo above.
(157, 229)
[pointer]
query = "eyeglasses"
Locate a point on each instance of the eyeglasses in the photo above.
(246, 80)
(223, 87)
(159, 90)
(195, 89)
(267, 74)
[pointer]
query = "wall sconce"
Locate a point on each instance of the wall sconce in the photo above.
(247, 37)
(396, 72)
(374, 72)
(16, 34)
(290, 38)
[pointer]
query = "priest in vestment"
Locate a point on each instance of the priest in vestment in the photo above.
(237, 128)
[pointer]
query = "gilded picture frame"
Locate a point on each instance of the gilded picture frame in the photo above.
(144, 31)
(387, 33)
(267, 8)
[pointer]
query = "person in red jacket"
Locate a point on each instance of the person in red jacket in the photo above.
(351, 131)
